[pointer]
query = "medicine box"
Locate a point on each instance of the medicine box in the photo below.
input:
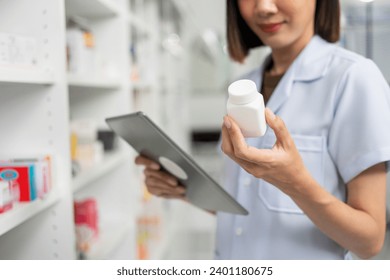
(86, 213)
(22, 178)
(29, 179)
(6, 199)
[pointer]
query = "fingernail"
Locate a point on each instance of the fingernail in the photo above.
(155, 166)
(270, 113)
(173, 182)
(227, 123)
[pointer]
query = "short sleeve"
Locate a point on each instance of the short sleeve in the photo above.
(359, 136)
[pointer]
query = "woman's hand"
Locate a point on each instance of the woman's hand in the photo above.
(160, 183)
(281, 166)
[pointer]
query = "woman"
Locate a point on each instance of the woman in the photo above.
(315, 184)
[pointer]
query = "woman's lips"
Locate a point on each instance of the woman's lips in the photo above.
(270, 28)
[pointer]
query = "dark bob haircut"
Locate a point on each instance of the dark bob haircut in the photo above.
(241, 38)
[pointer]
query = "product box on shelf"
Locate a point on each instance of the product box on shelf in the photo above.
(18, 51)
(87, 223)
(28, 179)
(21, 177)
(43, 176)
(86, 149)
(83, 57)
(108, 138)
(149, 226)
(80, 50)
(6, 199)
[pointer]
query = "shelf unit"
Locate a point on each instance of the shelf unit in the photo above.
(36, 99)
(109, 239)
(92, 8)
(90, 175)
(16, 76)
(170, 228)
(25, 211)
(42, 100)
(144, 33)
(78, 81)
(145, 91)
(96, 96)
(161, 92)
(138, 23)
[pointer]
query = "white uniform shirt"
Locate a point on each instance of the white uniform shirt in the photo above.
(336, 105)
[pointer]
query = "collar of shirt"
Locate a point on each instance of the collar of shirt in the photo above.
(311, 64)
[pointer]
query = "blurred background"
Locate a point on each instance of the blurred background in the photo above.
(66, 65)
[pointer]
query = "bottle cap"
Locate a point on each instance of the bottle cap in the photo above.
(242, 92)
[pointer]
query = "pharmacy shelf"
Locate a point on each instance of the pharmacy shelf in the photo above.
(109, 239)
(139, 24)
(91, 8)
(20, 76)
(109, 162)
(24, 211)
(92, 82)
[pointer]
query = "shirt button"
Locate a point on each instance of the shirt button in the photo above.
(238, 231)
(247, 181)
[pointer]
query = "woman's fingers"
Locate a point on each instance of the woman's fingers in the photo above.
(141, 160)
(161, 176)
(160, 183)
(240, 148)
(159, 187)
(278, 126)
(226, 145)
(235, 136)
(228, 149)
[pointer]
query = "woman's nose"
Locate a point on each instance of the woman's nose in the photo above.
(264, 8)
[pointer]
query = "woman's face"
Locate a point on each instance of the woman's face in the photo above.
(280, 24)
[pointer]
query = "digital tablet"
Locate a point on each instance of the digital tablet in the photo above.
(150, 141)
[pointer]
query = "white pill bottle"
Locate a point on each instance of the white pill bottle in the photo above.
(246, 106)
